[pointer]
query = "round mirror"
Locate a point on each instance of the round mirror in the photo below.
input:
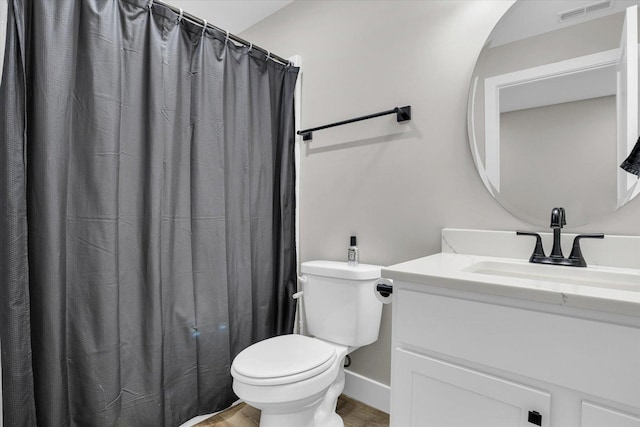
(553, 108)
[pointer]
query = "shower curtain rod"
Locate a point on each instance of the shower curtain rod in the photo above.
(198, 21)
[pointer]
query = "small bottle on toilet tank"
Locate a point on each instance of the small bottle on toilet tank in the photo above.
(352, 253)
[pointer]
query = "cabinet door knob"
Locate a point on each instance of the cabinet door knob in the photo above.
(535, 417)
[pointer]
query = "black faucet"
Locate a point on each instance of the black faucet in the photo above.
(558, 220)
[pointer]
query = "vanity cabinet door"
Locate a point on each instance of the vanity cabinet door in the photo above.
(598, 416)
(428, 392)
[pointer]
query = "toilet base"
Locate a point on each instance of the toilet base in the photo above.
(319, 411)
(303, 417)
(326, 415)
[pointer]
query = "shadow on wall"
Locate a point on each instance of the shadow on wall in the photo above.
(360, 134)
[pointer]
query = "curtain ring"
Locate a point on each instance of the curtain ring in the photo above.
(204, 27)
(250, 47)
(268, 56)
(226, 39)
(180, 16)
(150, 5)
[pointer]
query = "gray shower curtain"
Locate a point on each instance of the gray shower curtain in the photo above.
(147, 213)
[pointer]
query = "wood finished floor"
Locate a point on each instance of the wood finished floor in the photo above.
(354, 414)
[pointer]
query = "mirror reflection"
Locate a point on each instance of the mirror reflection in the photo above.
(553, 108)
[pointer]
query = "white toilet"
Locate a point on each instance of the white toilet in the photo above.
(295, 380)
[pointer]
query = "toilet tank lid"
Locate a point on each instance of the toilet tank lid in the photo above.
(341, 270)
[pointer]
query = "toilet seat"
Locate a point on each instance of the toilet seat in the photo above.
(283, 359)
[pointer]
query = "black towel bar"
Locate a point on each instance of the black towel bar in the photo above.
(403, 115)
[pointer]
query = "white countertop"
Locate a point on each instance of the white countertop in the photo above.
(447, 270)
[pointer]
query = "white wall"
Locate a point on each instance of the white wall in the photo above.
(231, 15)
(396, 191)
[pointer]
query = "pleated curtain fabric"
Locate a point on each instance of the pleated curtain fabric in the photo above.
(147, 213)
(632, 163)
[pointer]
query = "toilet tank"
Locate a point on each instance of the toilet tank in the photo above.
(340, 305)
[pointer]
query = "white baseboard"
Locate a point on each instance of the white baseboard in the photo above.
(367, 391)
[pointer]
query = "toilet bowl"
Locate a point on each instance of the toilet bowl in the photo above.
(295, 380)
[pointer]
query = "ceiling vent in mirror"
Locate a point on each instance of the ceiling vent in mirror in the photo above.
(584, 10)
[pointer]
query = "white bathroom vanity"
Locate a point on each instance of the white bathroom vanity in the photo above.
(483, 338)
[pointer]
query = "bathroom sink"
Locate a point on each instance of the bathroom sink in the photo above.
(610, 278)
